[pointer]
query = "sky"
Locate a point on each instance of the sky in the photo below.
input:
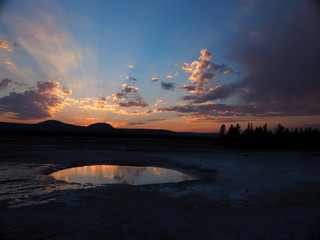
(179, 65)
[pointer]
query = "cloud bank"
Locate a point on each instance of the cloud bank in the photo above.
(282, 60)
(39, 103)
(279, 59)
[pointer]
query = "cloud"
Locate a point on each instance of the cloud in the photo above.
(154, 79)
(135, 123)
(199, 109)
(39, 103)
(281, 58)
(188, 98)
(129, 97)
(4, 83)
(129, 89)
(168, 86)
(248, 5)
(208, 110)
(188, 88)
(218, 92)
(4, 44)
(130, 66)
(143, 123)
(169, 76)
(123, 95)
(11, 66)
(131, 78)
(174, 65)
(9, 45)
(50, 45)
(137, 102)
(157, 120)
(280, 64)
(105, 104)
(159, 102)
(203, 72)
(205, 55)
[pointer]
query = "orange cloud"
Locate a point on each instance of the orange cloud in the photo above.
(159, 103)
(203, 72)
(4, 45)
(131, 78)
(11, 66)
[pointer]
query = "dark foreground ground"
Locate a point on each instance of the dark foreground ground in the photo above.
(239, 194)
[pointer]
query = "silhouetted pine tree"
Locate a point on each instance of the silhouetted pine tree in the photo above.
(222, 130)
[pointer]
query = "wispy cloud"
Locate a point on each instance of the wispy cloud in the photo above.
(135, 123)
(156, 120)
(169, 76)
(154, 79)
(11, 66)
(131, 78)
(4, 45)
(50, 45)
(159, 103)
(9, 44)
(248, 5)
(130, 66)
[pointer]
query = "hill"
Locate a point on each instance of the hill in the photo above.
(54, 127)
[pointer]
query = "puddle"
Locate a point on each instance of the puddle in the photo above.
(113, 174)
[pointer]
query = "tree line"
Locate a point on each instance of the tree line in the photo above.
(262, 136)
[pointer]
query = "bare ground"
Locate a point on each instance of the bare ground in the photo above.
(238, 195)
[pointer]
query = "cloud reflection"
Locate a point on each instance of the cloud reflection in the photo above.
(110, 174)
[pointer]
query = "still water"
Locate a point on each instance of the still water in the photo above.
(110, 174)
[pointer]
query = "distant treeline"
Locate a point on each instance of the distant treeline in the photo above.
(261, 137)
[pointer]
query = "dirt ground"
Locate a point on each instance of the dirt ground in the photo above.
(237, 195)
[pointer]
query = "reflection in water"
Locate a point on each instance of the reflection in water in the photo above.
(107, 174)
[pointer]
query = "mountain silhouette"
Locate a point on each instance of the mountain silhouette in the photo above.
(54, 126)
(100, 127)
(57, 127)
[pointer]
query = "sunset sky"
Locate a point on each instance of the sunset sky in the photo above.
(177, 65)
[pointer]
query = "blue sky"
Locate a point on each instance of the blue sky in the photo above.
(211, 62)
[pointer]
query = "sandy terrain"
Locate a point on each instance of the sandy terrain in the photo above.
(238, 194)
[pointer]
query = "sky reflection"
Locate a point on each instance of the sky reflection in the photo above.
(111, 174)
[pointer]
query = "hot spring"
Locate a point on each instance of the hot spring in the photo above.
(115, 174)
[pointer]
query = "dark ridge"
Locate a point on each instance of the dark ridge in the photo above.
(51, 123)
(100, 126)
(56, 128)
